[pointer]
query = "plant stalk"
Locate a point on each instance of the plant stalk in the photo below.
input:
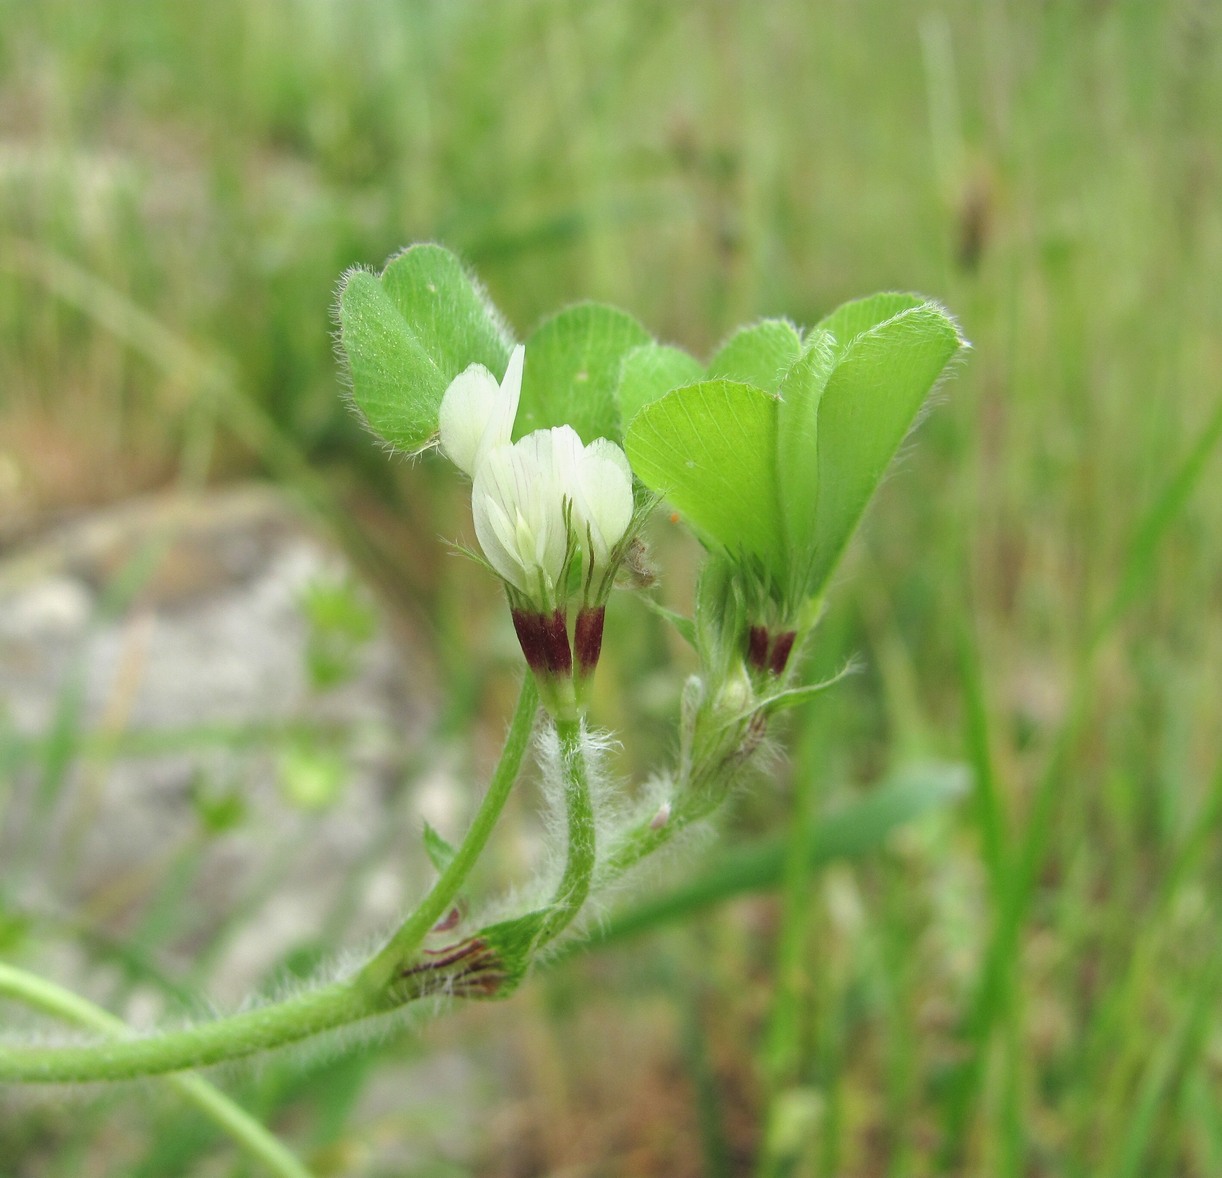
(574, 886)
(376, 989)
(245, 1130)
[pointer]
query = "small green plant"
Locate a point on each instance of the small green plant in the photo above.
(339, 624)
(770, 452)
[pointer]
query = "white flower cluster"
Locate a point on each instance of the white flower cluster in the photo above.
(540, 501)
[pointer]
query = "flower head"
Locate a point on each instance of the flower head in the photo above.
(540, 501)
(550, 515)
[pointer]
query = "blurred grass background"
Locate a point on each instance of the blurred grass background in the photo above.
(1027, 985)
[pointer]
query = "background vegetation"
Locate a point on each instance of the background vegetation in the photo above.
(1025, 983)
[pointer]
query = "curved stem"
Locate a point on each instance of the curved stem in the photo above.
(176, 1051)
(214, 1104)
(718, 757)
(383, 968)
(376, 989)
(574, 886)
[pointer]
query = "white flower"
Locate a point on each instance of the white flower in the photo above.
(477, 414)
(518, 503)
(535, 502)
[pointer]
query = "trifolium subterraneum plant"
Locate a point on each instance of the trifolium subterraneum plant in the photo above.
(769, 451)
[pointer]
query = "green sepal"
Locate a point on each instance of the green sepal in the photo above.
(720, 620)
(795, 697)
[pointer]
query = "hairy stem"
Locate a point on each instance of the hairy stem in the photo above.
(720, 752)
(214, 1104)
(376, 989)
(379, 972)
(574, 886)
(175, 1051)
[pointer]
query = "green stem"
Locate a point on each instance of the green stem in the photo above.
(214, 1104)
(193, 1047)
(574, 886)
(374, 990)
(718, 758)
(379, 972)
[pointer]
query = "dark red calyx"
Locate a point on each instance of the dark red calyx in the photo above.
(782, 647)
(559, 656)
(757, 647)
(531, 629)
(769, 652)
(545, 641)
(588, 638)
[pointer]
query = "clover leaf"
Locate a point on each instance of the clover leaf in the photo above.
(777, 472)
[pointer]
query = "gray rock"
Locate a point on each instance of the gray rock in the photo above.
(197, 683)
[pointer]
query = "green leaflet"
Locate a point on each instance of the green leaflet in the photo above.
(408, 332)
(710, 449)
(870, 403)
(650, 372)
(797, 455)
(573, 369)
(759, 354)
(850, 319)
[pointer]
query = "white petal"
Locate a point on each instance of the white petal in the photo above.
(518, 507)
(552, 455)
(603, 448)
(603, 499)
(494, 508)
(498, 430)
(511, 382)
(469, 403)
(477, 413)
(566, 453)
